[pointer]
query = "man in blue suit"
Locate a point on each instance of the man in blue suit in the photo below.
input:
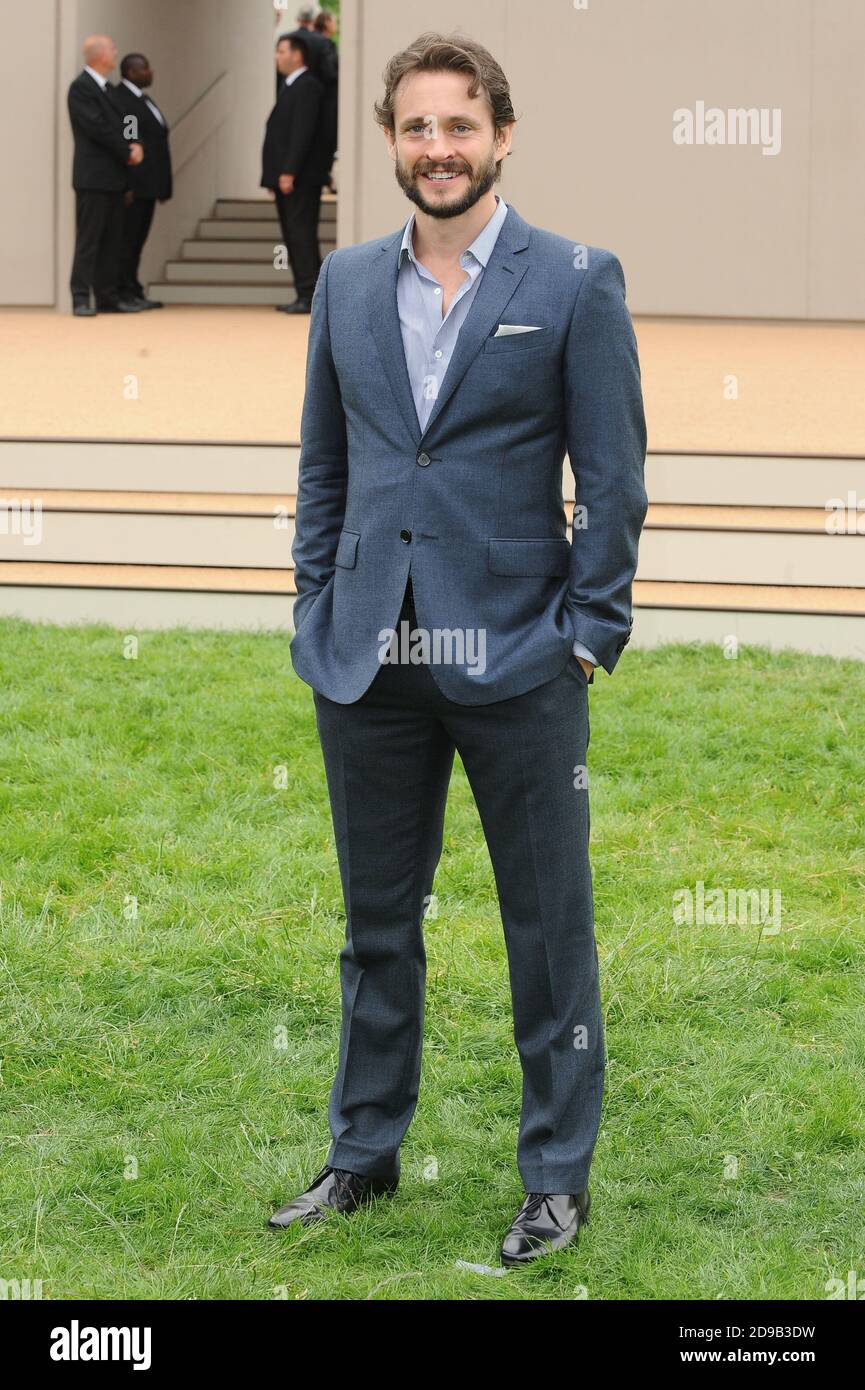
(441, 607)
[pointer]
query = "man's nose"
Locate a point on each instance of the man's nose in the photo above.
(440, 152)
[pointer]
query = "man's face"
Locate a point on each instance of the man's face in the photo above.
(142, 75)
(108, 56)
(284, 63)
(440, 129)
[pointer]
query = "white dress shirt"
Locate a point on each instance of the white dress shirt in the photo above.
(97, 77)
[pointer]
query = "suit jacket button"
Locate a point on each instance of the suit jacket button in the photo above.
(424, 460)
(405, 536)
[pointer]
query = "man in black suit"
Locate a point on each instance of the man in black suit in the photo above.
(320, 54)
(103, 152)
(294, 164)
(148, 182)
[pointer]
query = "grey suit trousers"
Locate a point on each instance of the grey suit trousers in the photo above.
(388, 758)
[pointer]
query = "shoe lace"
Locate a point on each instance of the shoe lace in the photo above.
(345, 1181)
(533, 1205)
(343, 1178)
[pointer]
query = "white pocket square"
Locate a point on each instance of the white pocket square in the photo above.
(505, 328)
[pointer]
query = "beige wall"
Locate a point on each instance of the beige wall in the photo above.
(701, 230)
(27, 121)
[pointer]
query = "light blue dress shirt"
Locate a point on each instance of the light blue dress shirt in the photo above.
(428, 338)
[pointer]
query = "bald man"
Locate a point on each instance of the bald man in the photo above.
(104, 150)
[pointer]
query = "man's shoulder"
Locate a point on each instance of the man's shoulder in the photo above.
(569, 252)
(309, 79)
(81, 82)
(353, 257)
(121, 96)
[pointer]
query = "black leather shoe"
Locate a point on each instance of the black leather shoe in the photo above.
(147, 303)
(123, 306)
(83, 310)
(333, 1189)
(300, 306)
(546, 1221)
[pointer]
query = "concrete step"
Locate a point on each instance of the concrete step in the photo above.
(127, 538)
(175, 504)
(751, 557)
(193, 578)
(263, 229)
(130, 609)
(245, 208)
(750, 479)
(30, 467)
(259, 251)
(250, 295)
(795, 520)
(227, 273)
(752, 598)
(817, 634)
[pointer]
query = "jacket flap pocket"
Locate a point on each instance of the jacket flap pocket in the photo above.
(346, 550)
(546, 556)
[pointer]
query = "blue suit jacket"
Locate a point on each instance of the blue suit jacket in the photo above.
(472, 505)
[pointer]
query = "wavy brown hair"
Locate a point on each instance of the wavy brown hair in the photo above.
(448, 53)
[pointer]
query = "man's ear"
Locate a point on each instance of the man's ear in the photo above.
(504, 138)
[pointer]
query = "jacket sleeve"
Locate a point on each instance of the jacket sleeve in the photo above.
(92, 119)
(323, 472)
(305, 116)
(606, 443)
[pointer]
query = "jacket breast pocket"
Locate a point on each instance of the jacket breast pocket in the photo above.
(346, 550)
(519, 342)
(529, 558)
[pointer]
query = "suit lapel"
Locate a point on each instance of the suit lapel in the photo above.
(504, 271)
(383, 312)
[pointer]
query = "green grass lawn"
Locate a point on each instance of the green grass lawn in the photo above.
(171, 921)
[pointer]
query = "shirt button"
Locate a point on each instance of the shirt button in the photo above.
(437, 291)
(405, 536)
(424, 460)
(438, 352)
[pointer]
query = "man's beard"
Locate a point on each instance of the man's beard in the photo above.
(480, 182)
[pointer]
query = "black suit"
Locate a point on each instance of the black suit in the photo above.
(148, 181)
(99, 178)
(321, 57)
(296, 142)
